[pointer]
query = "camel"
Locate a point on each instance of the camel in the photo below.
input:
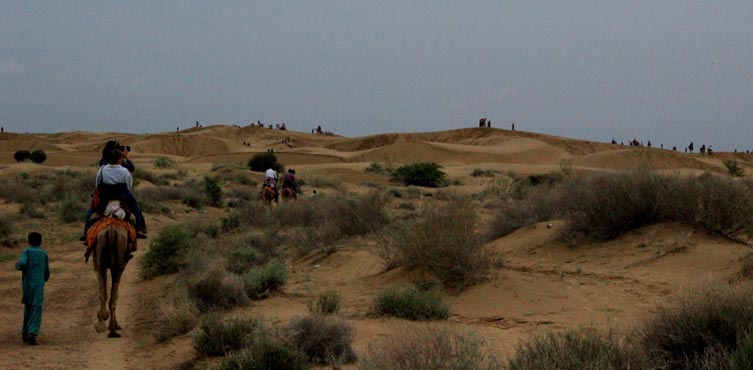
(110, 251)
(268, 195)
(288, 193)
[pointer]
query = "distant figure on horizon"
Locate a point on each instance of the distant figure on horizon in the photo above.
(709, 151)
(2, 129)
(489, 123)
(648, 144)
(197, 123)
(703, 149)
(690, 147)
(482, 122)
(614, 141)
(674, 148)
(513, 126)
(177, 128)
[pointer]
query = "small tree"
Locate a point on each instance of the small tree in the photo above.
(260, 162)
(213, 189)
(427, 174)
(734, 168)
(21, 155)
(38, 156)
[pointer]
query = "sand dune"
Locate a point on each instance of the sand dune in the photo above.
(543, 286)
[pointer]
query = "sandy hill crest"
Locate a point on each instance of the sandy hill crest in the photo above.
(467, 146)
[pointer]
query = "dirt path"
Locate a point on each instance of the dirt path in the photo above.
(67, 339)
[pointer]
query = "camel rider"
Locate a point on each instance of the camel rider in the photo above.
(115, 182)
(270, 178)
(289, 181)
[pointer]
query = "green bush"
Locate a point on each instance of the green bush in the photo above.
(261, 162)
(576, 349)
(260, 280)
(541, 204)
(428, 174)
(429, 347)
(327, 303)
(443, 242)
(324, 339)
(266, 354)
(21, 155)
(412, 304)
(241, 259)
(709, 327)
(163, 162)
(167, 252)
(216, 337)
(213, 191)
(214, 288)
(38, 156)
(734, 168)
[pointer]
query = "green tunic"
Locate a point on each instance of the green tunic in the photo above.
(35, 269)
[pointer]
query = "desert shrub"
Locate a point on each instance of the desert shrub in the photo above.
(260, 280)
(428, 347)
(167, 252)
(242, 258)
(21, 155)
(15, 190)
(702, 329)
(477, 172)
(546, 179)
(214, 288)
(159, 193)
(266, 354)
(602, 207)
(38, 156)
(324, 339)
(216, 337)
(605, 206)
(6, 229)
(164, 162)
(733, 168)
(71, 210)
(357, 215)
(260, 162)
(510, 214)
(251, 214)
(428, 174)
(175, 319)
(375, 167)
(31, 209)
(323, 182)
(444, 242)
(305, 240)
(327, 303)
(142, 174)
(213, 190)
(576, 349)
(412, 304)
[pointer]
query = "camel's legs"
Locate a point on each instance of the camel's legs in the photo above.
(113, 304)
(103, 313)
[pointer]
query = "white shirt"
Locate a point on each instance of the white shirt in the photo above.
(112, 174)
(271, 174)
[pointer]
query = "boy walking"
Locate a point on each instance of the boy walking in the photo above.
(35, 268)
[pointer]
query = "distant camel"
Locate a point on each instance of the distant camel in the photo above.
(268, 195)
(110, 252)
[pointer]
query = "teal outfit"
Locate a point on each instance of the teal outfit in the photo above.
(35, 268)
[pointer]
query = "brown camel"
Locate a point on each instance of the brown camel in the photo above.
(110, 251)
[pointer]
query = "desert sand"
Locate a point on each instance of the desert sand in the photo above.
(543, 286)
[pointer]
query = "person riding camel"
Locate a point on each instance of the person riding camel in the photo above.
(270, 179)
(288, 182)
(114, 182)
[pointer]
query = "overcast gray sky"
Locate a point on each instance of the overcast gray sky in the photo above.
(666, 71)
